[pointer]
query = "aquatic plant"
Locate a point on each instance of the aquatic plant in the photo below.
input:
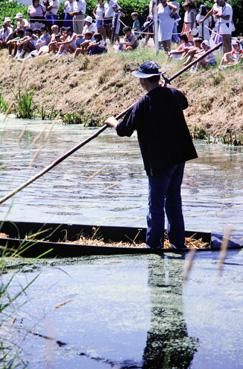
(3, 105)
(199, 133)
(25, 108)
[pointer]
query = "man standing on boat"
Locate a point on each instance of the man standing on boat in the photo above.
(165, 145)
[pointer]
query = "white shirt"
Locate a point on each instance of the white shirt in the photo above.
(91, 28)
(109, 12)
(188, 16)
(80, 6)
(5, 32)
(68, 7)
(223, 26)
(55, 6)
(99, 12)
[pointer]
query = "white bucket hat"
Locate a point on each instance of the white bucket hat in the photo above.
(18, 15)
(88, 19)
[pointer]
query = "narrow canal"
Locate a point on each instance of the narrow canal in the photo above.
(104, 183)
(120, 311)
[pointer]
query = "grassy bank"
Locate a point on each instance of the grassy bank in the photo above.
(89, 89)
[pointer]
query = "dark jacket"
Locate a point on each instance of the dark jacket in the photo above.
(163, 135)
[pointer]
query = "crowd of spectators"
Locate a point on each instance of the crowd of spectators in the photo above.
(191, 30)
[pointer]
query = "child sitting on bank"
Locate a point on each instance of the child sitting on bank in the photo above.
(98, 46)
(130, 40)
(55, 38)
(69, 44)
(181, 49)
(232, 57)
(82, 49)
(136, 23)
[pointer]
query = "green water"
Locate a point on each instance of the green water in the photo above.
(131, 312)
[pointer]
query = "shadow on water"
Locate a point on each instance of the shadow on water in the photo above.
(128, 314)
(168, 344)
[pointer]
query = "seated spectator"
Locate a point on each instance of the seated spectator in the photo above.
(27, 44)
(135, 24)
(130, 40)
(5, 32)
(55, 38)
(233, 57)
(182, 49)
(89, 27)
(44, 39)
(209, 60)
(18, 35)
(69, 44)
(36, 12)
(194, 51)
(21, 22)
(98, 46)
(82, 49)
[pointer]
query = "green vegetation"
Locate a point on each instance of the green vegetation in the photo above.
(4, 107)
(9, 8)
(25, 108)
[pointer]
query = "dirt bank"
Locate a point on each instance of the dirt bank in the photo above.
(96, 87)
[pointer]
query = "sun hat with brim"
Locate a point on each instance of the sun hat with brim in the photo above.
(88, 19)
(147, 69)
(18, 15)
(7, 19)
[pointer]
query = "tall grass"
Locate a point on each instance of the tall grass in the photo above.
(25, 107)
(10, 353)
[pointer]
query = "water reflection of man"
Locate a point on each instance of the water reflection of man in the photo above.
(168, 344)
(165, 145)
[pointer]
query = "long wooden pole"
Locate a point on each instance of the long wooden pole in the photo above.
(59, 160)
(97, 133)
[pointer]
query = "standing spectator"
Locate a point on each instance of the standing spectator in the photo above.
(36, 12)
(148, 29)
(99, 14)
(136, 23)
(166, 24)
(203, 28)
(109, 13)
(52, 7)
(176, 16)
(116, 25)
(189, 19)
(5, 32)
(79, 15)
(222, 13)
(68, 13)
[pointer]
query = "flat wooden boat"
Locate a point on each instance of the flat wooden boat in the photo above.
(60, 240)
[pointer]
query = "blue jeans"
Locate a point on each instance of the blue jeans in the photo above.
(165, 196)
